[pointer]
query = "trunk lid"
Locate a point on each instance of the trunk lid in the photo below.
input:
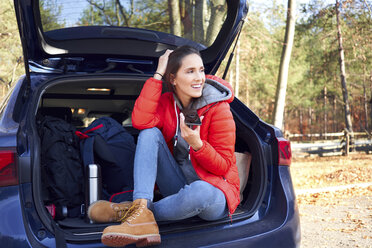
(97, 36)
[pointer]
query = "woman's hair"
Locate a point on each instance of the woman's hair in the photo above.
(175, 62)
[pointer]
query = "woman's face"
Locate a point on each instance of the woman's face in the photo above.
(189, 79)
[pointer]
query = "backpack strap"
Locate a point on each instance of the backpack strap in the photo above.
(86, 148)
(86, 145)
(83, 135)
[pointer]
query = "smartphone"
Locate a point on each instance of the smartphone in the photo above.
(191, 117)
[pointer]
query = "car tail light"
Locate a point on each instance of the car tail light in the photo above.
(8, 168)
(284, 151)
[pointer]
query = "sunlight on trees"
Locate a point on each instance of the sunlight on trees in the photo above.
(314, 102)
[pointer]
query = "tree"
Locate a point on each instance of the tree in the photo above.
(187, 17)
(284, 66)
(357, 20)
(108, 13)
(216, 17)
(174, 17)
(11, 65)
(259, 50)
(199, 20)
(349, 126)
(316, 47)
(50, 13)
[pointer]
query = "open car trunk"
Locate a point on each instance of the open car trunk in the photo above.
(116, 94)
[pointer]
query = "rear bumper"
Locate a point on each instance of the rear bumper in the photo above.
(279, 226)
(12, 232)
(286, 231)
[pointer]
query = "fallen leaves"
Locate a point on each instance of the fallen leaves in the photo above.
(334, 196)
(310, 173)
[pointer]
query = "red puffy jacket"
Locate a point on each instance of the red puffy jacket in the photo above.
(215, 162)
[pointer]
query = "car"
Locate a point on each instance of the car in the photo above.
(92, 58)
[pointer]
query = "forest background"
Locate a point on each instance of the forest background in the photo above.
(314, 102)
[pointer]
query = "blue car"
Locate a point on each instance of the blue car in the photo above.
(90, 59)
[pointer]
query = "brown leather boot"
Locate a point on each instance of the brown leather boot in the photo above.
(105, 211)
(139, 226)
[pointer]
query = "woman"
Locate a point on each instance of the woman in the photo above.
(193, 167)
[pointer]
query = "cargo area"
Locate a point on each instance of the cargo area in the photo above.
(80, 100)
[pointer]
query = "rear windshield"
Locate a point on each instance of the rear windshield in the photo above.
(196, 20)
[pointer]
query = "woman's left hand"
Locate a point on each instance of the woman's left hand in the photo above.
(192, 136)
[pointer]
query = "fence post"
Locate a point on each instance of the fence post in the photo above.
(347, 142)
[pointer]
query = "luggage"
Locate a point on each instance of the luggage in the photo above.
(61, 166)
(106, 142)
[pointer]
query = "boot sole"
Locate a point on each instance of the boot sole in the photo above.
(119, 239)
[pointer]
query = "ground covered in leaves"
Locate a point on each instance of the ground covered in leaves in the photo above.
(334, 196)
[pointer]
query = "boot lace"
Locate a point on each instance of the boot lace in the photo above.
(134, 211)
(120, 211)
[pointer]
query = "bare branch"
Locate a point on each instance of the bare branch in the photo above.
(122, 12)
(369, 9)
(19, 59)
(102, 9)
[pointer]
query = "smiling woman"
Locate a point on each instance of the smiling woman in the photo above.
(194, 167)
(199, 21)
(185, 75)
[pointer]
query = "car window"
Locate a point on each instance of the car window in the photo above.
(196, 20)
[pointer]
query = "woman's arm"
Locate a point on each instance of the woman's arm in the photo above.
(145, 114)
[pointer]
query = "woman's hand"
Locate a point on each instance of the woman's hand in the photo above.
(192, 136)
(162, 64)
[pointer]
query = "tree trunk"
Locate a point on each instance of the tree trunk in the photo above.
(237, 68)
(117, 10)
(310, 113)
(325, 112)
(334, 115)
(92, 15)
(370, 101)
(174, 17)
(284, 66)
(187, 20)
(365, 100)
(247, 93)
(127, 16)
(199, 21)
(19, 60)
(301, 122)
(348, 123)
(216, 18)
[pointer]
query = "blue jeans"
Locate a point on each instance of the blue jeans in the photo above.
(154, 162)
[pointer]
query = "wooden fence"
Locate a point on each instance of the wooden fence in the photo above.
(329, 144)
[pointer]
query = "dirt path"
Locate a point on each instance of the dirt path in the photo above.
(335, 200)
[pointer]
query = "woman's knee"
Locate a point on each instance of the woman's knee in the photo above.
(150, 133)
(212, 199)
(207, 192)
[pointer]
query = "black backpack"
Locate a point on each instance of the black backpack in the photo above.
(107, 143)
(61, 166)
